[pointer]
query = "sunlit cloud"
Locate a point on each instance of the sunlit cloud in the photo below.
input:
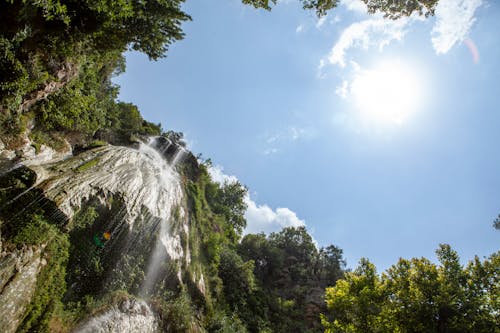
(260, 218)
(454, 19)
(217, 174)
(355, 6)
(377, 32)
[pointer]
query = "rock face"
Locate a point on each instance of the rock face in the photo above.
(140, 176)
(130, 316)
(137, 241)
(18, 275)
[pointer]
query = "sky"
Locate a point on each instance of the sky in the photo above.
(379, 136)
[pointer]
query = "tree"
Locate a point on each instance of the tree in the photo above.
(392, 9)
(417, 296)
(331, 264)
(355, 303)
(395, 9)
(237, 277)
(228, 199)
(496, 223)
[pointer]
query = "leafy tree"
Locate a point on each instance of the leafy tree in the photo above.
(331, 264)
(292, 275)
(320, 6)
(395, 9)
(355, 303)
(392, 9)
(496, 223)
(237, 277)
(417, 296)
(228, 199)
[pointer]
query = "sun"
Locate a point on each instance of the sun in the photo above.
(390, 93)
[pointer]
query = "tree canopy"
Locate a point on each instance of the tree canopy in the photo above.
(392, 9)
(418, 296)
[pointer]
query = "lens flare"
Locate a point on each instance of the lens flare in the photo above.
(473, 50)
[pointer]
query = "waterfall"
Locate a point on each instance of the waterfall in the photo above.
(129, 316)
(166, 242)
(139, 193)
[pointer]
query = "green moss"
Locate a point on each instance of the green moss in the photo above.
(97, 143)
(87, 165)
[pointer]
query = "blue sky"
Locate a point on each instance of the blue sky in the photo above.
(297, 109)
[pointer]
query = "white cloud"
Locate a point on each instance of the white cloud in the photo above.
(299, 28)
(372, 32)
(343, 90)
(355, 6)
(291, 133)
(454, 19)
(261, 218)
(297, 133)
(285, 136)
(321, 21)
(217, 174)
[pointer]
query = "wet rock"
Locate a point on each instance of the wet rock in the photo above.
(18, 275)
(130, 316)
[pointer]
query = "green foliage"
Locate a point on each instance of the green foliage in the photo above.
(496, 223)
(224, 323)
(50, 139)
(320, 6)
(51, 284)
(397, 9)
(288, 271)
(393, 9)
(126, 119)
(30, 220)
(237, 277)
(268, 284)
(176, 314)
(228, 199)
(417, 296)
(60, 55)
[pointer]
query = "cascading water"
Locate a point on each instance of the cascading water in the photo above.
(156, 186)
(149, 191)
(129, 316)
(166, 243)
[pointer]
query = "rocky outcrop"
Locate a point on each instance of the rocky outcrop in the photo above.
(138, 234)
(18, 275)
(130, 316)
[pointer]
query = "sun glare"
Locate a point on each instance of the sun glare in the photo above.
(389, 93)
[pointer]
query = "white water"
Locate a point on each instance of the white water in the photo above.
(129, 317)
(142, 177)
